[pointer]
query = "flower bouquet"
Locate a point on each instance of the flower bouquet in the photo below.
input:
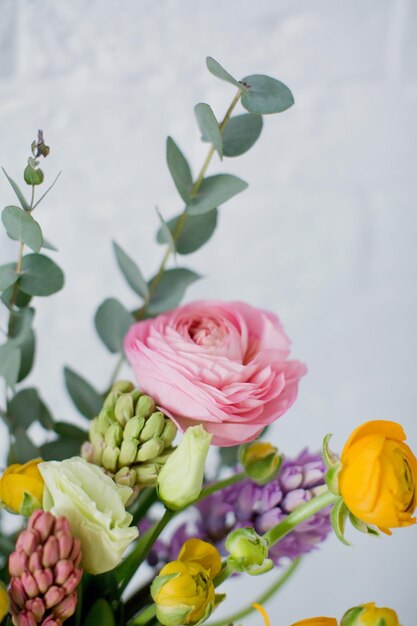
(129, 520)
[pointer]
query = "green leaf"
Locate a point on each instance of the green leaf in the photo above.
(169, 292)
(60, 449)
(100, 614)
(214, 191)
(240, 133)
(131, 272)
(8, 276)
(229, 456)
(196, 231)
(27, 353)
(49, 246)
(69, 431)
(20, 325)
(209, 126)
(27, 407)
(22, 300)
(217, 70)
(17, 191)
(112, 322)
(265, 95)
(10, 359)
(167, 234)
(329, 457)
(338, 518)
(180, 170)
(40, 275)
(23, 449)
(32, 176)
(46, 192)
(87, 400)
(362, 526)
(21, 226)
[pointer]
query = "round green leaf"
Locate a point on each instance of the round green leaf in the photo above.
(196, 231)
(40, 275)
(87, 400)
(32, 176)
(21, 226)
(112, 323)
(266, 95)
(8, 276)
(171, 289)
(214, 191)
(240, 133)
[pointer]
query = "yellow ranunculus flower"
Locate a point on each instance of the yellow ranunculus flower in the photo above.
(18, 480)
(379, 475)
(4, 601)
(184, 591)
(370, 615)
(317, 621)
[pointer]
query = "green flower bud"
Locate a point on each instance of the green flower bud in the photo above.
(128, 452)
(104, 420)
(145, 406)
(133, 428)
(260, 461)
(169, 433)
(150, 449)
(153, 427)
(110, 458)
(125, 476)
(114, 435)
(123, 386)
(146, 474)
(124, 409)
(98, 450)
(248, 552)
(181, 479)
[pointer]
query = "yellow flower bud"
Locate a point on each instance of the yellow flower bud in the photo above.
(260, 461)
(378, 476)
(4, 601)
(21, 487)
(184, 590)
(370, 615)
(317, 621)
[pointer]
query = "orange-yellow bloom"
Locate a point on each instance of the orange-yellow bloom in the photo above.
(379, 475)
(317, 621)
(19, 480)
(370, 615)
(184, 591)
(4, 601)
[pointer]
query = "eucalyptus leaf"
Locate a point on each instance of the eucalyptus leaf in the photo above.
(27, 354)
(49, 246)
(167, 234)
(240, 133)
(23, 449)
(170, 290)
(20, 325)
(17, 191)
(21, 226)
(87, 400)
(131, 272)
(67, 430)
(112, 322)
(21, 300)
(100, 613)
(209, 126)
(8, 276)
(33, 176)
(180, 170)
(40, 275)
(265, 95)
(196, 231)
(24, 408)
(10, 359)
(214, 191)
(217, 70)
(60, 449)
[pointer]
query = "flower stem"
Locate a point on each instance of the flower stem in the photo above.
(220, 484)
(144, 617)
(298, 516)
(276, 585)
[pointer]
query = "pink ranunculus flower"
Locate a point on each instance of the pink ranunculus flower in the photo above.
(221, 364)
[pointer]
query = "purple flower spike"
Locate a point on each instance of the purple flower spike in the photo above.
(45, 572)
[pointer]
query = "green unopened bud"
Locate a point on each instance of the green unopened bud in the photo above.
(128, 452)
(87, 451)
(110, 458)
(169, 433)
(260, 461)
(95, 431)
(124, 409)
(145, 406)
(133, 428)
(153, 427)
(104, 420)
(114, 435)
(146, 474)
(125, 476)
(181, 479)
(123, 386)
(248, 552)
(150, 449)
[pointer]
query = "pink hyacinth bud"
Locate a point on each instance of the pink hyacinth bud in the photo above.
(44, 572)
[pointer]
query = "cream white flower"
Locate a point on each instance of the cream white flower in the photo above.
(94, 507)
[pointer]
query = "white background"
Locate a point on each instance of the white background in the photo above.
(325, 236)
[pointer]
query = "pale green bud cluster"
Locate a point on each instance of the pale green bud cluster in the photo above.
(130, 438)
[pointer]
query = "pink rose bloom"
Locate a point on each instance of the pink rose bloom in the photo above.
(221, 364)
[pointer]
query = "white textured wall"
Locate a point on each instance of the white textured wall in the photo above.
(325, 235)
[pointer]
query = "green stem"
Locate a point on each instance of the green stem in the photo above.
(146, 499)
(220, 484)
(224, 574)
(298, 516)
(144, 617)
(279, 582)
